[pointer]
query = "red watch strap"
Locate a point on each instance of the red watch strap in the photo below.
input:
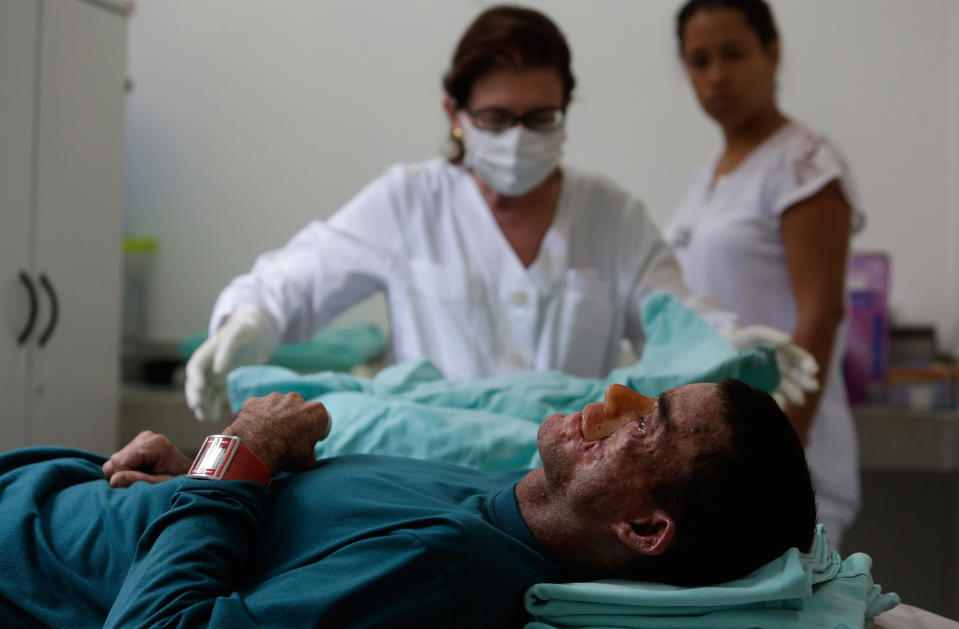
(248, 466)
(224, 457)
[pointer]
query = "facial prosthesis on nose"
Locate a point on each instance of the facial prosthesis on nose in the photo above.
(621, 406)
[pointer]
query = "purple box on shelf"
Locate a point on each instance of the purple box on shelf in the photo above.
(867, 342)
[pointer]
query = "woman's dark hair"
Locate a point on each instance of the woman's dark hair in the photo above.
(506, 37)
(757, 14)
(740, 504)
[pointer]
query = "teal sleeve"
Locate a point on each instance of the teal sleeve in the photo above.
(194, 564)
(190, 559)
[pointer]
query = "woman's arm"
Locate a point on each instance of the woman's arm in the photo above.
(328, 265)
(815, 235)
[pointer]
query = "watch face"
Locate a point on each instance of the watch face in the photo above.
(214, 457)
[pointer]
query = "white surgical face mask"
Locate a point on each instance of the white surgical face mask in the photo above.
(512, 161)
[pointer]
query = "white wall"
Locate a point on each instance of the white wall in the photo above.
(951, 281)
(249, 119)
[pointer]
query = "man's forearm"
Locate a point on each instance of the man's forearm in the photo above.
(189, 560)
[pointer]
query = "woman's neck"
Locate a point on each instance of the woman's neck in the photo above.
(544, 194)
(753, 132)
(743, 139)
(525, 220)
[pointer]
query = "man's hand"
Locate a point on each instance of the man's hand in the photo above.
(149, 457)
(282, 430)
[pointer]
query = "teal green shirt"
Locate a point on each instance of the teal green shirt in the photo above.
(359, 541)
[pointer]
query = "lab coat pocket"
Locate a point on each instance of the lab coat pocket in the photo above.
(586, 323)
(440, 319)
(447, 282)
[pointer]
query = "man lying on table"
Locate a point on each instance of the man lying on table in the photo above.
(701, 485)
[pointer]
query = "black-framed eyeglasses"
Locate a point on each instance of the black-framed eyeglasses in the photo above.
(497, 119)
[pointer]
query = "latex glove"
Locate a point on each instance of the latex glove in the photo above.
(245, 339)
(797, 367)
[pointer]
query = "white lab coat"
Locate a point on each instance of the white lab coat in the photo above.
(727, 239)
(456, 291)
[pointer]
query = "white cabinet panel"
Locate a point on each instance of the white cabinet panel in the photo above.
(61, 178)
(18, 29)
(79, 224)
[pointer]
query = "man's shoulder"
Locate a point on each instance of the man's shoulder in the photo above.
(487, 570)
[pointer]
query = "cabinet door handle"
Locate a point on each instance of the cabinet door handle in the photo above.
(54, 310)
(32, 320)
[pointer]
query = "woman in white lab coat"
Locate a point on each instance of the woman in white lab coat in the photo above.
(493, 261)
(765, 227)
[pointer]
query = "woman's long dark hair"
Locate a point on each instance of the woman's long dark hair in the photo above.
(757, 13)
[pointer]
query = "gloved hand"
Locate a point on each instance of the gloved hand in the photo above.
(797, 367)
(245, 339)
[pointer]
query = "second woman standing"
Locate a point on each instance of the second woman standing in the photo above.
(765, 226)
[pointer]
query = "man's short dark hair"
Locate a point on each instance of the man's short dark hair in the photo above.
(742, 503)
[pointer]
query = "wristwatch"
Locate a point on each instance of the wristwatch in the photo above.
(225, 457)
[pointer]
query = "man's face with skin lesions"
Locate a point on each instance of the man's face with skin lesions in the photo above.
(635, 444)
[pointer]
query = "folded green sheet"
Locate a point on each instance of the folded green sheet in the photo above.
(816, 589)
(410, 409)
(334, 348)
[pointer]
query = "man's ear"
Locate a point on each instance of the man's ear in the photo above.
(650, 535)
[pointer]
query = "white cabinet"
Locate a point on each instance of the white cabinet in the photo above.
(61, 220)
